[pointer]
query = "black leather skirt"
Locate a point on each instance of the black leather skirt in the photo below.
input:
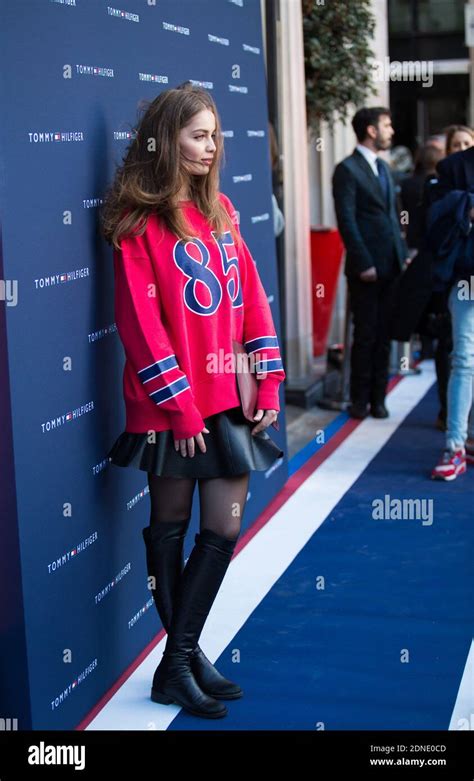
(230, 450)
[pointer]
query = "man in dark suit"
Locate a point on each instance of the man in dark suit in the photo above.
(367, 219)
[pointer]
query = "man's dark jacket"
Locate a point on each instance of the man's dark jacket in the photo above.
(369, 226)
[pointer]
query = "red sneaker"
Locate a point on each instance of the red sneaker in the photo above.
(451, 464)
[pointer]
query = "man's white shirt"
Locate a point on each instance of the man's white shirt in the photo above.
(370, 156)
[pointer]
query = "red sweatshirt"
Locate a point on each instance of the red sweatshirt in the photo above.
(178, 305)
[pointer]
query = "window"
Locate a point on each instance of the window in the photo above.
(440, 16)
(426, 16)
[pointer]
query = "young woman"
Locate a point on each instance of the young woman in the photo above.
(186, 286)
(458, 138)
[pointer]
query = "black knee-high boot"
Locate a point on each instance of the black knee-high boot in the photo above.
(200, 581)
(164, 543)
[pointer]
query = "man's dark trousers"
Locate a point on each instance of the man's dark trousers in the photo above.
(370, 356)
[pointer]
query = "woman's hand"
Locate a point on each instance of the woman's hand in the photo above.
(265, 421)
(183, 444)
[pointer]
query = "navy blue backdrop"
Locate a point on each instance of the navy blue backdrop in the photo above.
(76, 610)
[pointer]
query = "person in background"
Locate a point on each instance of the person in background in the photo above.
(458, 138)
(437, 317)
(367, 219)
(450, 221)
(401, 165)
(420, 309)
(438, 141)
(411, 191)
(418, 291)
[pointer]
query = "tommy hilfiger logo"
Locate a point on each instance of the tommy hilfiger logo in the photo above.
(54, 136)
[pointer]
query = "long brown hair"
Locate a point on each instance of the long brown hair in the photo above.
(152, 172)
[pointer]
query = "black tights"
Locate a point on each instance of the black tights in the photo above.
(221, 501)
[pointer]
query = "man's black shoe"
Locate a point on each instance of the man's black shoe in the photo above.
(379, 411)
(358, 411)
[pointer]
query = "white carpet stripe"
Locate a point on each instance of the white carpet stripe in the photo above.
(463, 711)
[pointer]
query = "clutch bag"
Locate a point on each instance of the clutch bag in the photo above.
(247, 385)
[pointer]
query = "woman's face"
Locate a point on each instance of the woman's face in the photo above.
(460, 141)
(196, 142)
